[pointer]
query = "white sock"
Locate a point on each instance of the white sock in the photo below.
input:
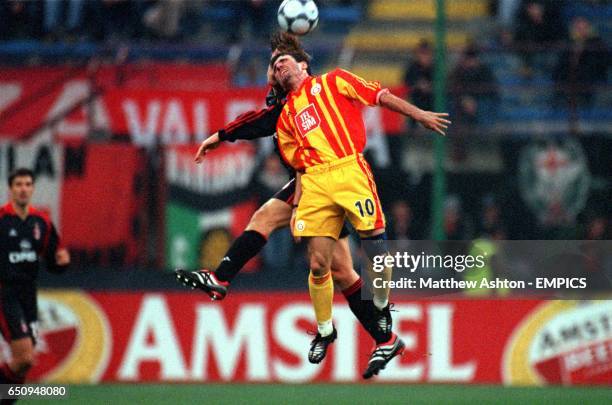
(325, 328)
(380, 303)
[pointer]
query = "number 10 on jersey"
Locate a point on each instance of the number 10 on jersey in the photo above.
(369, 207)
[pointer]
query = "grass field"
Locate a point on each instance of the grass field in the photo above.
(331, 394)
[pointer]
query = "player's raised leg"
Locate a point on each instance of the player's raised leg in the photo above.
(349, 282)
(374, 244)
(274, 214)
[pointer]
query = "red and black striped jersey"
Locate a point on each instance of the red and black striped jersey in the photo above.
(25, 243)
(255, 124)
(258, 124)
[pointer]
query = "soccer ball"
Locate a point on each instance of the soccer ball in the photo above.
(298, 16)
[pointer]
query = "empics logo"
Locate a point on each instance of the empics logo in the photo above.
(307, 120)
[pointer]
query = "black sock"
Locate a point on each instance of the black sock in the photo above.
(245, 247)
(364, 311)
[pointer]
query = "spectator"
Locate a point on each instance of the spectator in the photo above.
(163, 18)
(456, 224)
(597, 228)
(582, 66)
(506, 11)
(494, 267)
(114, 20)
(54, 16)
(20, 19)
(537, 28)
(491, 224)
(473, 90)
(400, 224)
(419, 76)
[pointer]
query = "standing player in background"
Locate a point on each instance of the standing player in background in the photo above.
(321, 134)
(275, 214)
(27, 238)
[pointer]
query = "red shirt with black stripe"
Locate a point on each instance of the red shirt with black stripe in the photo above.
(25, 244)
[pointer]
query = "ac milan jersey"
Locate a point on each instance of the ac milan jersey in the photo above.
(258, 124)
(24, 243)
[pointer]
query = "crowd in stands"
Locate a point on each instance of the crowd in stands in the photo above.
(113, 20)
(573, 57)
(100, 20)
(560, 54)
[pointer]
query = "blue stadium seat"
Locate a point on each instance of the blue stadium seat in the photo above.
(338, 19)
(340, 15)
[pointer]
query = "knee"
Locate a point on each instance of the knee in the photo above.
(259, 222)
(318, 264)
(269, 217)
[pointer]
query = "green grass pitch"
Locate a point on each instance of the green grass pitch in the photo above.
(151, 394)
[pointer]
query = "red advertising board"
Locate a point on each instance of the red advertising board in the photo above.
(155, 102)
(175, 117)
(29, 97)
(155, 336)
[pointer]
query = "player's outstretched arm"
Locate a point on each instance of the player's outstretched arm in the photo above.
(429, 119)
(210, 143)
(248, 126)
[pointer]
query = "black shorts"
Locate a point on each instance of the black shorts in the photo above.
(286, 194)
(18, 311)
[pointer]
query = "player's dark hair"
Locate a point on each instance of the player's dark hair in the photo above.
(288, 44)
(20, 172)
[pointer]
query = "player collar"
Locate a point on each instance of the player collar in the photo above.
(299, 89)
(8, 208)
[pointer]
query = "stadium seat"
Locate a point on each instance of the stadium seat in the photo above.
(426, 9)
(398, 40)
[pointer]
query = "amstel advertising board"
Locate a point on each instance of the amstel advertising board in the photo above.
(184, 337)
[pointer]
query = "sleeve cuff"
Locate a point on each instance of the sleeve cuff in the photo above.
(223, 136)
(380, 93)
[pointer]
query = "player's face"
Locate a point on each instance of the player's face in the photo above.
(21, 190)
(287, 72)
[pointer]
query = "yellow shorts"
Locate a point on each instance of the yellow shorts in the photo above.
(333, 191)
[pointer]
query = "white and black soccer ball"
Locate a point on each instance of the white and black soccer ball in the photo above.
(298, 16)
